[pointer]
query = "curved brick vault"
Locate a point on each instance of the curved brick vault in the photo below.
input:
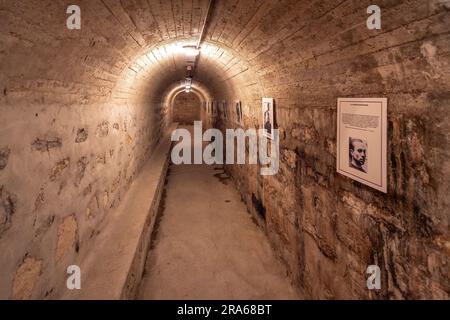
(82, 111)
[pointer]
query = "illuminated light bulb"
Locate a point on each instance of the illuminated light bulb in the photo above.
(191, 51)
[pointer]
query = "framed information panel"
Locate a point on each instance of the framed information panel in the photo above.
(361, 140)
(267, 117)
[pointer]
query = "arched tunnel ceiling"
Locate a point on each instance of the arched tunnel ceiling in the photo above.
(157, 68)
(123, 46)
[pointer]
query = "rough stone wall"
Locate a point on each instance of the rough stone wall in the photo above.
(64, 169)
(186, 108)
(325, 227)
(71, 139)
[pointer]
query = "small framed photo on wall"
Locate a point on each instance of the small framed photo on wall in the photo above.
(267, 117)
(238, 108)
(224, 109)
(215, 108)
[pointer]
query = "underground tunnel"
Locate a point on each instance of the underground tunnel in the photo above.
(318, 133)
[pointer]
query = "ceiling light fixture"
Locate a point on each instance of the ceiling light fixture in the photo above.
(191, 51)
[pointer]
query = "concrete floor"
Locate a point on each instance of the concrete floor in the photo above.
(206, 245)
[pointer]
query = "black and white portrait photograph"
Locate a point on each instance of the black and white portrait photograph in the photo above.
(358, 154)
(267, 117)
(238, 107)
(224, 109)
(215, 110)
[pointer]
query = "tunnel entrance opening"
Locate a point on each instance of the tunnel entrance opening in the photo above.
(186, 108)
